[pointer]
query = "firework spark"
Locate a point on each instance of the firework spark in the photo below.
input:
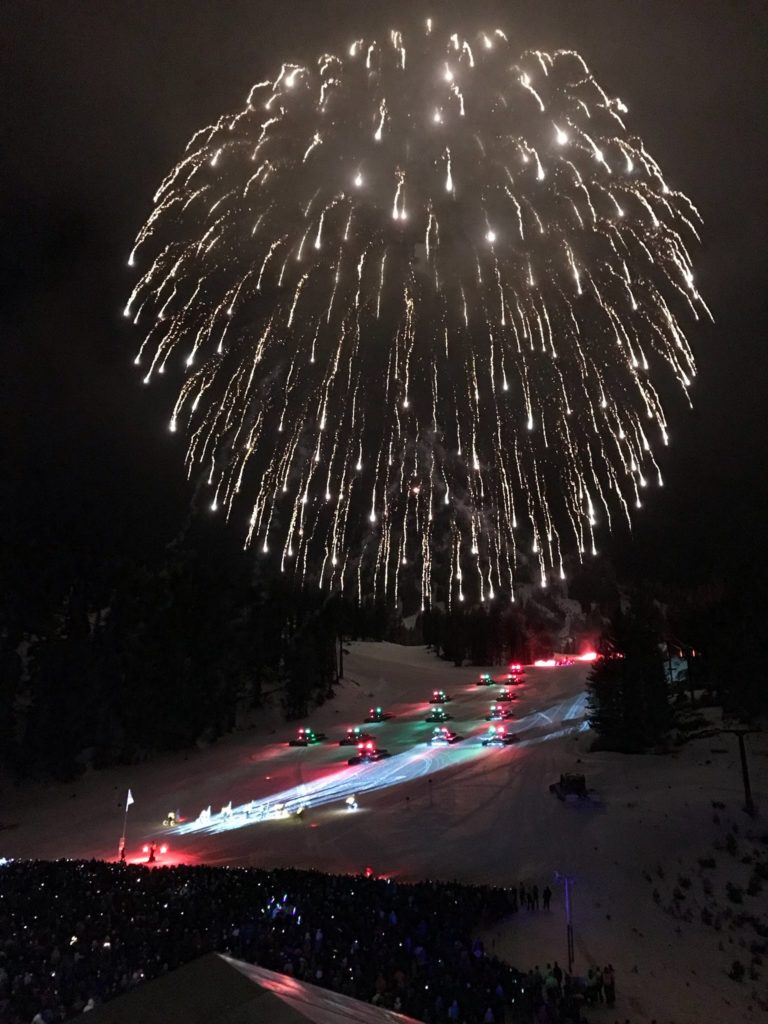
(427, 299)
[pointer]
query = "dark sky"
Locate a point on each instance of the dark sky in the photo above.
(99, 97)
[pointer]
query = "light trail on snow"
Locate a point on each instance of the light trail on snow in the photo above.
(404, 767)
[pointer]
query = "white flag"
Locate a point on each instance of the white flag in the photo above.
(129, 800)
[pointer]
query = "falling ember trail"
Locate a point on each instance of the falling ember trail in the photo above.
(426, 303)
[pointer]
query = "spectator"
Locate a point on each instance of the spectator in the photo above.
(609, 984)
(551, 987)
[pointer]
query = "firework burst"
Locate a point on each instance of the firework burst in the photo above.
(427, 298)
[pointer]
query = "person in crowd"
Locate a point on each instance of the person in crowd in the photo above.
(599, 984)
(609, 985)
(551, 987)
(591, 987)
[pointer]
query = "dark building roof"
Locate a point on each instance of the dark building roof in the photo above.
(218, 990)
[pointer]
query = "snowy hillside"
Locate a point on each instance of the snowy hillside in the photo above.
(466, 812)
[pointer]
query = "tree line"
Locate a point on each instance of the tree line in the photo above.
(108, 660)
(114, 662)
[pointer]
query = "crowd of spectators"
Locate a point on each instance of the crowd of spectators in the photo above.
(76, 933)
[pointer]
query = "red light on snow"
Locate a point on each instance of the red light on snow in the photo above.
(587, 656)
(545, 663)
(163, 848)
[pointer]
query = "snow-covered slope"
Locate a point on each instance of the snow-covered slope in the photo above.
(463, 812)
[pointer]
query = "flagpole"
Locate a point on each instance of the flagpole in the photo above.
(128, 802)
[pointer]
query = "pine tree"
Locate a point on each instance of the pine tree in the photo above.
(628, 693)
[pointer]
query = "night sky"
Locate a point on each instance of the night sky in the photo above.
(100, 98)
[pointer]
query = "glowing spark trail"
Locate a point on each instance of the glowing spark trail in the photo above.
(429, 310)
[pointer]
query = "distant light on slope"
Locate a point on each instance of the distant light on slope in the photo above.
(587, 656)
